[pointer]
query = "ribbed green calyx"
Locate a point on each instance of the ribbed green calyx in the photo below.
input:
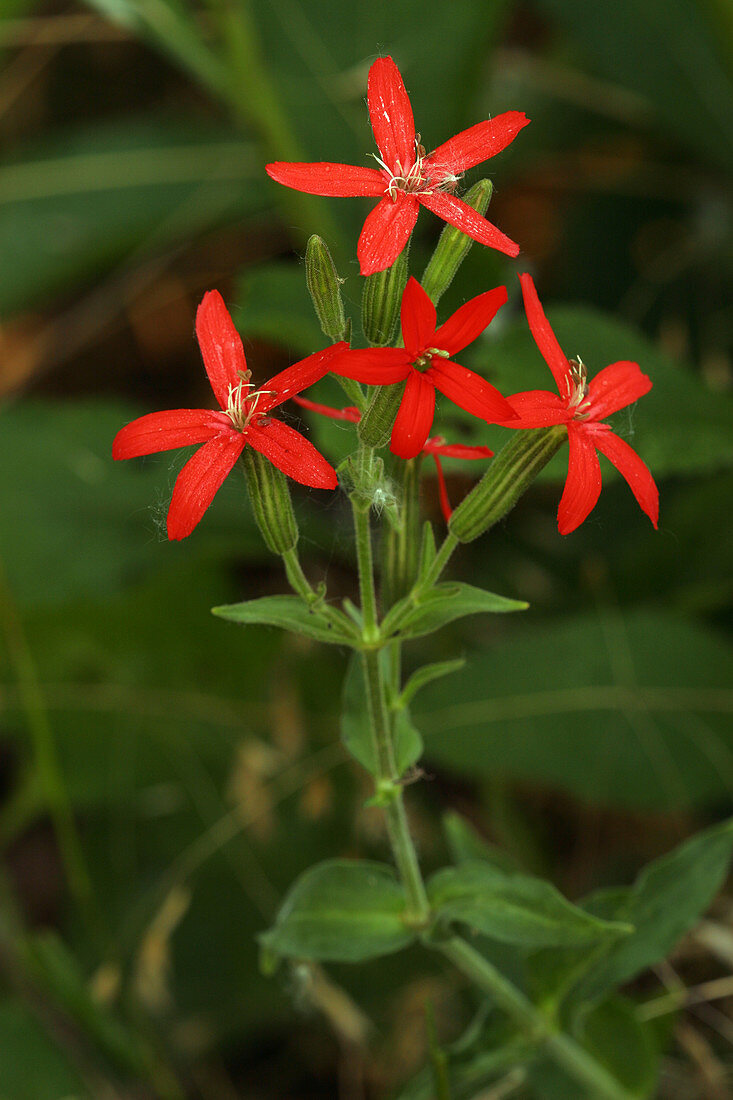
(401, 545)
(380, 302)
(509, 476)
(324, 286)
(375, 426)
(453, 245)
(269, 494)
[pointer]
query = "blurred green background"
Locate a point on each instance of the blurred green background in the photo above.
(201, 762)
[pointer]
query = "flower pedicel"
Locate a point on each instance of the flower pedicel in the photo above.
(407, 178)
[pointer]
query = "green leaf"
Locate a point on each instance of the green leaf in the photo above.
(356, 732)
(291, 613)
(32, 1065)
(630, 711)
(426, 675)
(341, 911)
(666, 900)
(441, 605)
(466, 845)
(513, 908)
(681, 427)
(613, 1034)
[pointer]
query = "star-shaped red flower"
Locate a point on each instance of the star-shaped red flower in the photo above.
(408, 177)
(437, 447)
(425, 364)
(581, 406)
(244, 419)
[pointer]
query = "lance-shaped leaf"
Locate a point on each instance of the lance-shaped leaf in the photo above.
(341, 911)
(513, 908)
(412, 618)
(291, 613)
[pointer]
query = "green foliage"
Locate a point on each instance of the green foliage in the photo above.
(341, 911)
(413, 617)
(514, 908)
(292, 613)
(32, 1064)
(628, 711)
(356, 732)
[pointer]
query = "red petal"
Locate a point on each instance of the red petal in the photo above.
(324, 178)
(390, 114)
(375, 366)
(385, 233)
(476, 144)
(418, 318)
(469, 321)
(615, 387)
(199, 480)
(221, 345)
(349, 413)
(583, 483)
(544, 337)
(465, 218)
(633, 469)
(469, 391)
(443, 491)
(292, 453)
(414, 418)
(455, 450)
(538, 409)
(300, 376)
(163, 431)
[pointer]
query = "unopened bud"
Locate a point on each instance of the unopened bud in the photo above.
(380, 302)
(270, 496)
(375, 426)
(453, 245)
(509, 476)
(324, 286)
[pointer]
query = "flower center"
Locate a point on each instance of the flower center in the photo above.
(413, 179)
(425, 359)
(241, 404)
(576, 382)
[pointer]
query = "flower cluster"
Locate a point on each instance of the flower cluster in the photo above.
(407, 177)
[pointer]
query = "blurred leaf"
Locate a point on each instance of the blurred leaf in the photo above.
(411, 618)
(31, 1063)
(680, 427)
(89, 197)
(665, 50)
(356, 730)
(466, 844)
(74, 521)
(628, 712)
(421, 677)
(615, 1037)
(272, 304)
(667, 899)
(514, 908)
(290, 613)
(341, 911)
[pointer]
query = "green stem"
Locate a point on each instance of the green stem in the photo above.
(450, 542)
(48, 769)
(388, 785)
(564, 1051)
(297, 578)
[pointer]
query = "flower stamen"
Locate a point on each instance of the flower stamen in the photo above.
(577, 387)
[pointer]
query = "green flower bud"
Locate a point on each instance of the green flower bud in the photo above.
(380, 302)
(324, 286)
(375, 426)
(509, 476)
(269, 493)
(453, 245)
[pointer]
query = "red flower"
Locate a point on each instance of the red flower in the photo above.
(436, 447)
(243, 420)
(408, 178)
(425, 364)
(581, 405)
